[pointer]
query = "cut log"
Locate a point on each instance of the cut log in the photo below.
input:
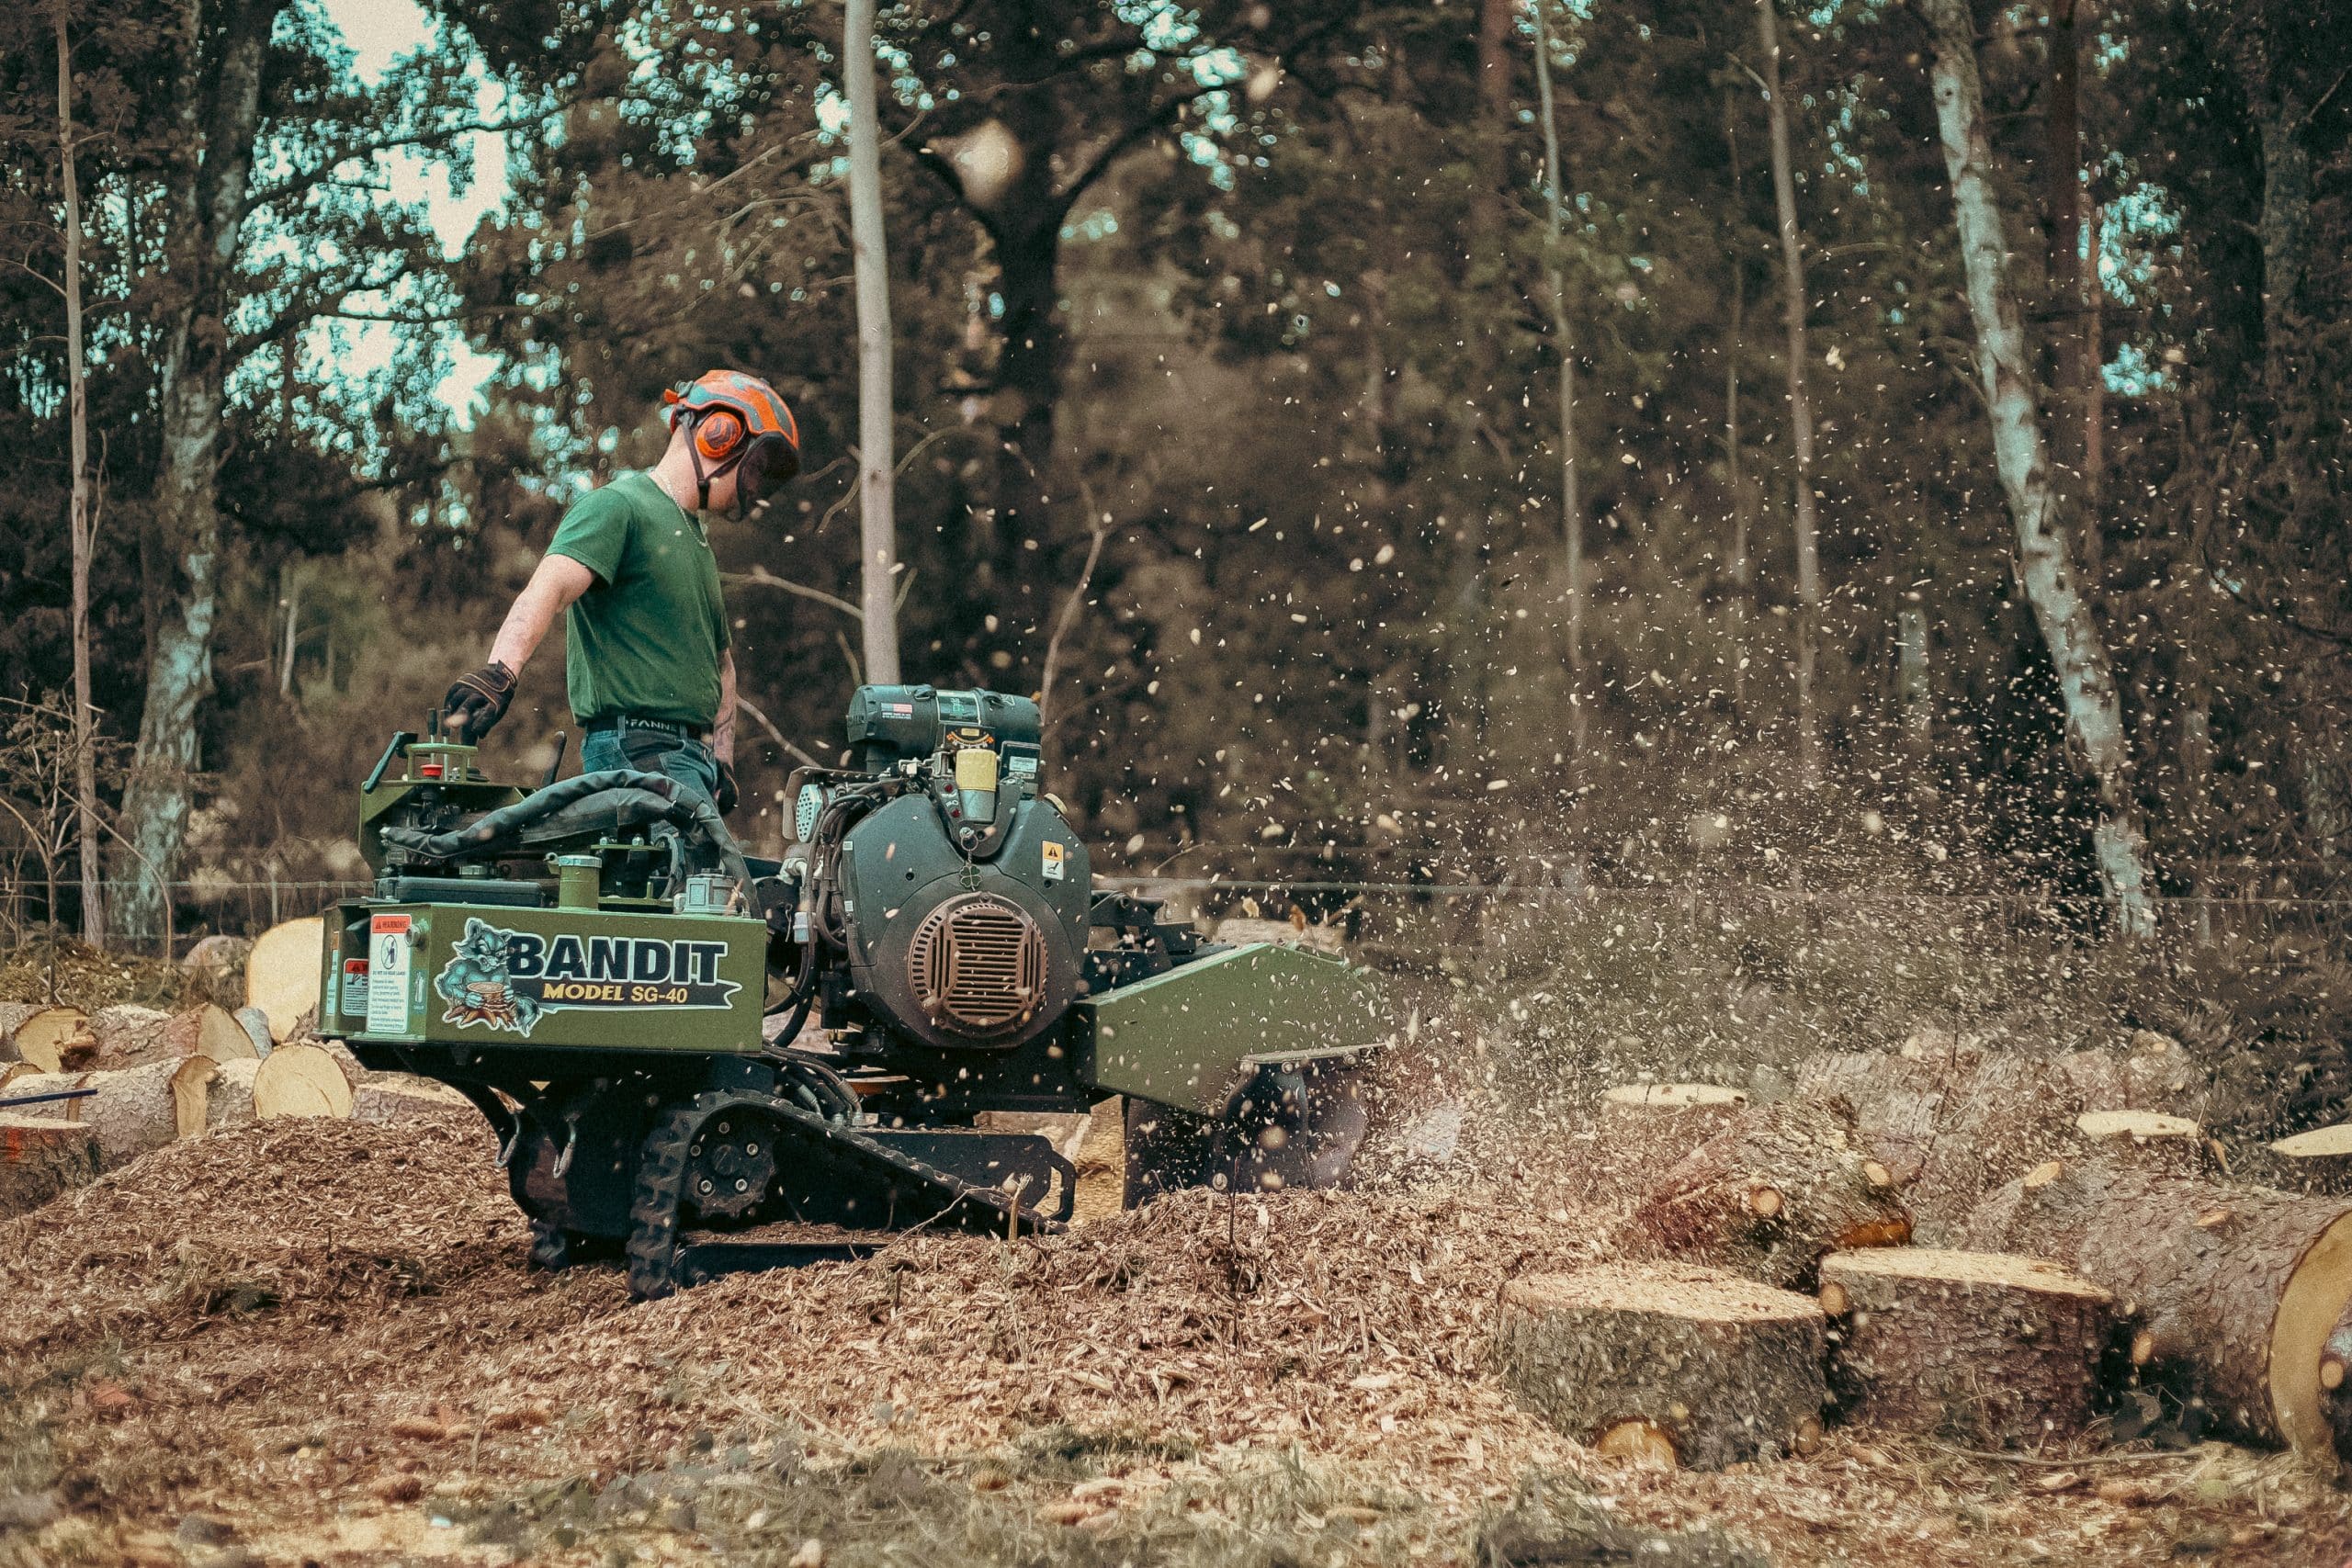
(122, 1035)
(2153, 1073)
(40, 1158)
(2149, 1139)
(282, 973)
(2012, 1113)
(2238, 1287)
(220, 1037)
(22, 1084)
(1780, 1187)
(389, 1099)
(1719, 1368)
(41, 1036)
(1894, 1098)
(209, 1096)
(1988, 1349)
(132, 1111)
(1646, 1127)
(2316, 1161)
(300, 1080)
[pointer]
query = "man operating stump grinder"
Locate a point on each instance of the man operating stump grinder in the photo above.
(648, 660)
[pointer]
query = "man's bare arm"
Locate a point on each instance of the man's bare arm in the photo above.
(558, 581)
(722, 728)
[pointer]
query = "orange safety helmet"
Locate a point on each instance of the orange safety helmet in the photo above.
(736, 420)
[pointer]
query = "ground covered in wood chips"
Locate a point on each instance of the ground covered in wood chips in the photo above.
(317, 1342)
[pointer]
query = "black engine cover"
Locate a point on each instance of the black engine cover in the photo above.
(965, 954)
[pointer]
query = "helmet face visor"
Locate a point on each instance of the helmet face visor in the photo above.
(769, 465)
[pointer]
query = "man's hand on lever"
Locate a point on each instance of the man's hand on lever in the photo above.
(478, 700)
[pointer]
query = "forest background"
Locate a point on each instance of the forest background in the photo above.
(1579, 475)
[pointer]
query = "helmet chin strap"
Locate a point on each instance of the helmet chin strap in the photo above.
(703, 480)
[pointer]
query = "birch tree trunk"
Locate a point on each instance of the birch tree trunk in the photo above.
(218, 114)
(1743, 570)
(2045, 564)
(1563, 343)
(78, 387)
(1808, 527)
(877, 530)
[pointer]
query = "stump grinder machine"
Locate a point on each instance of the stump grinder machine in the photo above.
(704, 1062)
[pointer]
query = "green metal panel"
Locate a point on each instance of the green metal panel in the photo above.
(1186, 1038)
(480, 975)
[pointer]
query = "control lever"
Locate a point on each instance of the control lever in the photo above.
(562, 739)
(401, 741)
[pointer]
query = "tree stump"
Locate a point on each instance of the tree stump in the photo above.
(1989, 1349)
(41, 1158)
(2238, 1287)
(1777, 1188)
(1715, 1368)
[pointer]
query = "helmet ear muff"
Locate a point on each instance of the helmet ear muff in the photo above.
(719, 433)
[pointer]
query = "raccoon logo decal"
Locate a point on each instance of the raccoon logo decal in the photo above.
(476, 985)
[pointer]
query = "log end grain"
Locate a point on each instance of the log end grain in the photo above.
(300, 1080)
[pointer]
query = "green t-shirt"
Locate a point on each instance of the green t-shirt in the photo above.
(646, 640)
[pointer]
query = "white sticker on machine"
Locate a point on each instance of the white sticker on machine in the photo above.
(388, 956)
(1054, 863)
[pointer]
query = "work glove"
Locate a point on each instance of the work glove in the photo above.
(726, 795)
(477, 701)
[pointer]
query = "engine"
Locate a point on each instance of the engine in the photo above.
(935, 893)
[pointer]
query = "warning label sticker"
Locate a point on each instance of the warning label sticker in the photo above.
(1055, 862)
(389, 956)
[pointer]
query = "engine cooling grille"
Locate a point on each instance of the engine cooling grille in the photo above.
(977, 966)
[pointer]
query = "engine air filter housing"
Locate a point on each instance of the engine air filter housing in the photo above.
(977, 965)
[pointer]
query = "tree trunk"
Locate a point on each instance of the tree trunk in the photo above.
(1563, 344)
(2061, 197)
(1743, 570)
(1988, 1349)
(1771, 1194)
(219, 114)
(2045, 565)
(877, 531)
(80, 525)
(1722, 1369)
(1808, 526)
(2239, 1287)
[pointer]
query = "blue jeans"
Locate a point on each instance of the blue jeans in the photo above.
(651, 750)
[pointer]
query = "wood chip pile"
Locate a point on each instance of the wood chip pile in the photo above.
(312, 1320)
